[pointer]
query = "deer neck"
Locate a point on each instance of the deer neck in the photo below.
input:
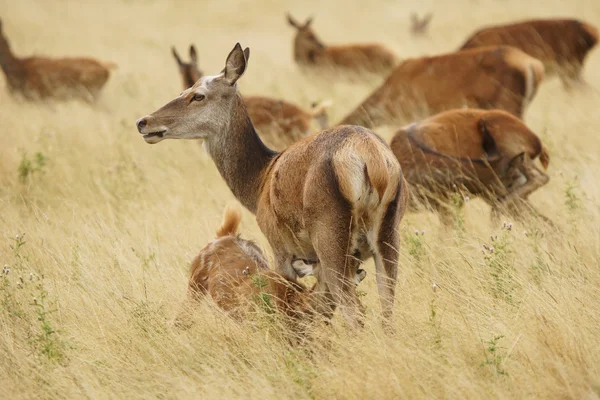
(240, 156)
(10, 64)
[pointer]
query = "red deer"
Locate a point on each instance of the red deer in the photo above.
(561, 44)
(486, 153)
(498, 77)
(44, 77)
(279, 123)
(335, 197)
(189, 71)
(355, 59)
(234, 271)
(418, 26)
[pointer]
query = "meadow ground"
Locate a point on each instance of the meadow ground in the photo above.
(107, 225)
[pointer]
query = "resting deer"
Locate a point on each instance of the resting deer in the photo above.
(356, 59)
(233, 271)
(44, 77)
(279, 123)
(419, 26)
(497, 77)
(561, 44)
(336, 197)
(486, 153)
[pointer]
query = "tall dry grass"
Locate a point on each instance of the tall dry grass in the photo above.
(111, 224)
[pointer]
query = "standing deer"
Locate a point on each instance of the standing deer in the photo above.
(355, 59)
(486, 153)
(44, 77)
(488, 78)
(419, 26)
(336, 197)
(233, 271)
(561, 44)
(279, 123)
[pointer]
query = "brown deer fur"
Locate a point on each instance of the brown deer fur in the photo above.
(233, 271)
(44, 77)
(561, 44)
(279, 123)
(356, 59)
(486, 153)
(336, 197)
(489, 78)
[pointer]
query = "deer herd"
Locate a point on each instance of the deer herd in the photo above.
(329, 201)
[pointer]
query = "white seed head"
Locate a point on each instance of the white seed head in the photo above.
(422, 233)
(491, 249)
(417, 232)
(467, 198)
(434, 286)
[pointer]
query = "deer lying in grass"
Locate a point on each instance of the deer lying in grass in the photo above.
(336, 197)
(355, 59)
(43, 77)
(279, 123)
(419, 26)
(485, 153)
(487, 78)
(561, 44)
(233, 271)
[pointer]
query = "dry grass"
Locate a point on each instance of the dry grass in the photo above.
(111, 224)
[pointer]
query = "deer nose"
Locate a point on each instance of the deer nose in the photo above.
(141, 124)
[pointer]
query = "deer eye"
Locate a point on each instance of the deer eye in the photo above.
(198, 97)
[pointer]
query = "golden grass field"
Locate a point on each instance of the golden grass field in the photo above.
(110, 224)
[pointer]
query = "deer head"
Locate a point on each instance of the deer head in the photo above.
(419, 26)
(306, 43)
(508, 170)
(205, 110)
(189, 71)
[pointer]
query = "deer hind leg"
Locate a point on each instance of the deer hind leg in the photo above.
(336, 276)
(385, 254)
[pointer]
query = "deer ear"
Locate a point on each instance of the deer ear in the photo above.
(308, 22)
(235, 66)
(176, 56)
(247, 54)
(193, 55)
(487, 140)
(292, 21)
